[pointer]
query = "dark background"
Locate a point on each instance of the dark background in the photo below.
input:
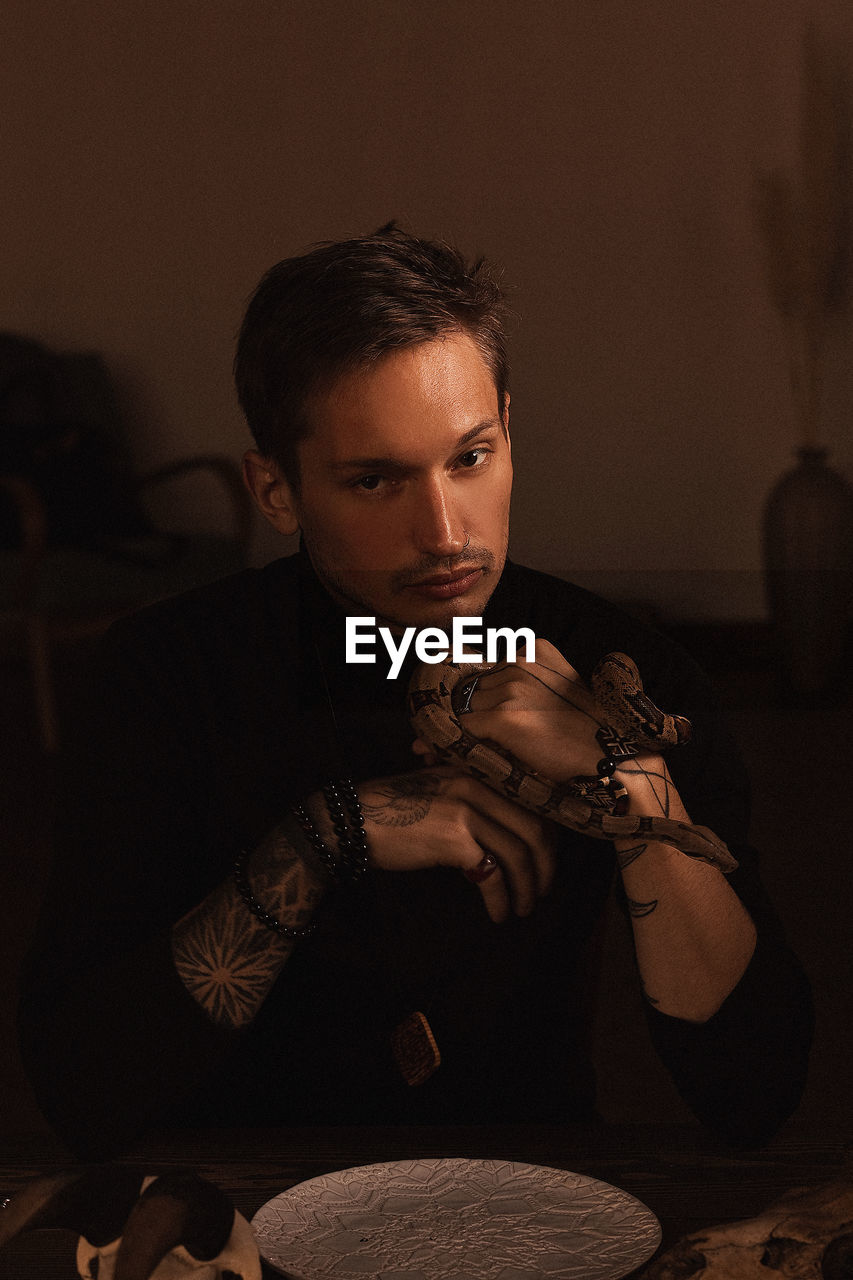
(154, 162)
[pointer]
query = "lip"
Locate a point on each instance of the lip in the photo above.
(447, 586)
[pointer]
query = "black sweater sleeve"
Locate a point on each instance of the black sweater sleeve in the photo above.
(744, 1070)
(109, 1035)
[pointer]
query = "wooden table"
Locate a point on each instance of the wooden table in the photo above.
(687, 1178)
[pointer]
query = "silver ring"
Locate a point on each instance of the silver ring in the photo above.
(467, 694)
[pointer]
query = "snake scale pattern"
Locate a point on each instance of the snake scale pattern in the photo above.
(617, 701)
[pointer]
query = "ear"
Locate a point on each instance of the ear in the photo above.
(271, 492)
(505, 420)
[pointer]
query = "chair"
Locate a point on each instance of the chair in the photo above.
(78, 546)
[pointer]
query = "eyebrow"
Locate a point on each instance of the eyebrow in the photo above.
(490, 425)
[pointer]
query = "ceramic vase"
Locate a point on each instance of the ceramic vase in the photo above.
(808, 560)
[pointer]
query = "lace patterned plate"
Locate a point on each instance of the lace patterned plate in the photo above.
(455, 1220)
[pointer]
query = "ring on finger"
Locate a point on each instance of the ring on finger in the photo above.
(467, 694)
(486, 867)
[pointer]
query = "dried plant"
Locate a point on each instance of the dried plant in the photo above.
(805, 221)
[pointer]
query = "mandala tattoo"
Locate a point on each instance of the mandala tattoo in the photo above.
(221, 965)
(406, 800)
(225, 957)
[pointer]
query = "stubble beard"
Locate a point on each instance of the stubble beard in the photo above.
(346, 593)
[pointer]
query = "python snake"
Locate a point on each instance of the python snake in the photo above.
(626, 716)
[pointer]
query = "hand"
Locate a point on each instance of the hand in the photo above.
(441, 817)
(540, 711)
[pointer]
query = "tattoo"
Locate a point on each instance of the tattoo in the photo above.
(640, 909)
(407, 800)
(225, 957)
(660, 783)
(216, 956)
(572, 702)
(627, 856)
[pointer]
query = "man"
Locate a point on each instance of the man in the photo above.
(208, 953)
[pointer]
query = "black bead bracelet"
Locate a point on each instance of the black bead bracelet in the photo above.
(349, 863)
(348, 827)
(290, 932)
(316, 841)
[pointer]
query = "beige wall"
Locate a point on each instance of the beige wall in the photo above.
(156, 158)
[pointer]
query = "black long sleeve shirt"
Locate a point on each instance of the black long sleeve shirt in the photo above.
(211, 715)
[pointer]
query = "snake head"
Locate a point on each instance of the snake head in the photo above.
(624, 704)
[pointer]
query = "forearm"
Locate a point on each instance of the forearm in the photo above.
(225, 956)
(113, 1041)
(693, 936)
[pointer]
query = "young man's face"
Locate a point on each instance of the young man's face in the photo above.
(405, 485)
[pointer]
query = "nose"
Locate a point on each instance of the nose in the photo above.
(439, 529)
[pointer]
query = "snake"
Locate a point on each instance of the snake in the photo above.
(629, 722)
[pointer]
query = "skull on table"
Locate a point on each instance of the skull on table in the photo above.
(805, 1235)
(134, 1225)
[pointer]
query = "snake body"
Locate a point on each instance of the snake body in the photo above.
(618, 703)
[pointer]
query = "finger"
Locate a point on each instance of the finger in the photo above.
(463, 694)
(544, 853)
(486, 873)
(426, 752)
(548, 665)
(487, 865)
(537, 834)
(484, 697)
(539, 840)
(516, 684)
(485, 686)
(516, 862)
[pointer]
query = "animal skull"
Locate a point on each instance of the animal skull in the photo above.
(135, 1226)
(805, 1235)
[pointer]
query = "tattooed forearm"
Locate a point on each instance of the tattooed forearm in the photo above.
(624, 857)
(640, 909)
(402, 801)
(659, 782)
(221, 960)
(225, 957)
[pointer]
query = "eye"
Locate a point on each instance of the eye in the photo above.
(369, 484)
(473, 458)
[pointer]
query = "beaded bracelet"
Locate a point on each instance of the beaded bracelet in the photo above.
(290, 932)
(316, 841)
(616, 752)
(605, 769)
(348, 827)
(352, 852)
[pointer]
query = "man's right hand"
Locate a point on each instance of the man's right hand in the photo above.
(441, 817)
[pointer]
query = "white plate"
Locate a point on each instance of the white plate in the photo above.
(455, 1219)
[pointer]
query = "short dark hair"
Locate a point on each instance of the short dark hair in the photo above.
(344, 305)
